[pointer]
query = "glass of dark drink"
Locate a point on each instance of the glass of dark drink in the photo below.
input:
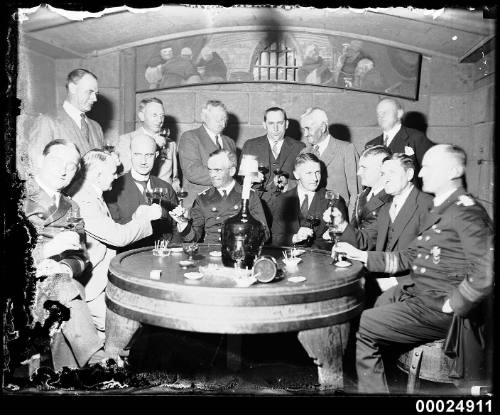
(264, 170)
(280, 174)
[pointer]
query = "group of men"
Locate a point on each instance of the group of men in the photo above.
(436, 246)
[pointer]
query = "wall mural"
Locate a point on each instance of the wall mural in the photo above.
(297, 57)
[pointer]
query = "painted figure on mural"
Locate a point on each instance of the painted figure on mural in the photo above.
(314, 69)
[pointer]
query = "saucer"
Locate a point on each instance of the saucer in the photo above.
(176, 249)
(193, 275)
(186, 263)
(215, 253)
(343, 264)
(297, 279)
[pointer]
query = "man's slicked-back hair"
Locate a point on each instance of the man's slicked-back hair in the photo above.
(60, 142)
(231, 156)
(76, 74)
(458, 155)
(396, 102)
(317, 113)
(147, 101)
(304, 158)
(275, 109)
(407, 162)
(376, 150)
(95, 158)
(213, 103)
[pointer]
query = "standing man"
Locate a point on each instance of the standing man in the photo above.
(196, 145)
(60, 256)
(129, 192)
(452, 271)
(340, 159)
(217, 203)
(103, 233)
(151, 114)
(69, 122)
(398, 138)
(296, 205)
(274, 151)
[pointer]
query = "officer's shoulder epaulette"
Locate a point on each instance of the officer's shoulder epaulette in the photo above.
(465, 200)
(204, 191)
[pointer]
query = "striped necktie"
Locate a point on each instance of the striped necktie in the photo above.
(275, 149)
(218, 142)
(304, 207)
(84, 127)
(315, 150)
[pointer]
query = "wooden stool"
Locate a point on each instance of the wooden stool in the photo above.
(426, 361)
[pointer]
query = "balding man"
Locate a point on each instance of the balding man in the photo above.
(196, 145)
(130, 191)
(69, 122)
(451, 262)
(340, 159)
(398, 138)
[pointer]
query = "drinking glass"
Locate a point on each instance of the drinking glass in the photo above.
(280, 173)
(181, 194)
(73, 217)
(190, 249)
(333, 198)
(264, 170)
(149, 196)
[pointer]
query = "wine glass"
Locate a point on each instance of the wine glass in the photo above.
(312, 221)
(333, 198)
(73, 218)
(280, 174)
(181, 194)
(190, 249)
(149, 196)
(237, 255)
(264, 170)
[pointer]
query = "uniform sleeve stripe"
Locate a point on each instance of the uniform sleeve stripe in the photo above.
(391, 263)
(468, 292)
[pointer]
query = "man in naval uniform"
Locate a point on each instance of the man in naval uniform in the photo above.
(452, 271)
(217, 203)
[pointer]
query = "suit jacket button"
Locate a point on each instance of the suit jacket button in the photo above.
(419, 256)
(427, 237)
(218, 230)
(218, 217)
(414, 267)
(420, 238)
(422, 270)
(214, 209)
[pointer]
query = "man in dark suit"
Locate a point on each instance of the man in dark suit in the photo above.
(339, 158)
(217, 203)
(398, 138)
(452, 263)
(196, 145)
(60, 256)
(129, 192)
(294, 207)
(69, 122)
(274, 151)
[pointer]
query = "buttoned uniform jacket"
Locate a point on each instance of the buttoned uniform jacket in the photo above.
(60, 125)
(125, 197)
(288, 218)
(78, 339)
(452, 257)
(361, 231)
(209, 211)
(104, 235)
(260, 147)
(406, 137)
(194, 148)
(163, 169)
(340, 169)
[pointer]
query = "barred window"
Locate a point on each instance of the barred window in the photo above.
(276, 62)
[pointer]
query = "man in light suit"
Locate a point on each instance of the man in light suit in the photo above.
(398, 138)
(294, 206)
(340, 159)
(103, 233)
(60, 257)
(151, 113)
(196, 145)
(128, 192)
(274, 151)
(69, 122)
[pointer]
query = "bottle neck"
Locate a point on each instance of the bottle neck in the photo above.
(244, 207)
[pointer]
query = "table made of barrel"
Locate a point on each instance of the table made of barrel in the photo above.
(319, 308)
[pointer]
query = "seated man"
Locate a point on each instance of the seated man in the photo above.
(130, 191)
(103, 233)
(452, 272)
(217, 203)
(294, 207)
(60, 256)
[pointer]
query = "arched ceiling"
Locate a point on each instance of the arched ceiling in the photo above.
(456, 34)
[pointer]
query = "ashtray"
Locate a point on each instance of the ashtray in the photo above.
(342, 264)
(215, 253)
(186, 263)
(161, 252)
(176, 249)
(193, 275)
(297, 279)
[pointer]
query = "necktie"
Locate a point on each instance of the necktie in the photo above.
(218, 141)
(275, 149)
(369, 196)
(386, 139)
(224, 194)
(304, 207)
(316, 150)
(84, 126)
(393, 211)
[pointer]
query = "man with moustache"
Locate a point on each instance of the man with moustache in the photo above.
(129, 192)
(196, 145)
(103, 233)
(274, 151)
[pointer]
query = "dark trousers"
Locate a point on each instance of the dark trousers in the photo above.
(398, 321)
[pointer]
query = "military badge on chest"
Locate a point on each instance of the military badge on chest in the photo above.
(436, 254)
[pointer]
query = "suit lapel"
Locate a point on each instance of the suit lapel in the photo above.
(284, 152)
(70, 124)
(206, 140)
(330, 152)
(131, 187)
(399, 141)
(405, 214)
(61, 211)
(383, 223)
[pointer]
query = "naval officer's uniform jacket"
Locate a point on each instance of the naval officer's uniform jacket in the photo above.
(210, 210)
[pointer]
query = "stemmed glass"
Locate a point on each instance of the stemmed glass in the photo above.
(312, 221)
(280, 173)
(264, 170)
(335, 234)
(181, 194)
(190, 249)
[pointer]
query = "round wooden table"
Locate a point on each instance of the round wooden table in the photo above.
(320, 308)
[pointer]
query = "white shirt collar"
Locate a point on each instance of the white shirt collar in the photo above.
(438, 200)
(140, 177)
(398, 200)
(375, 191)
(49, 191)
(73, 112)
(392, 132)
(227, 188)
(323, 145)
(302, 192)
(212, 136)
(97, 190)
